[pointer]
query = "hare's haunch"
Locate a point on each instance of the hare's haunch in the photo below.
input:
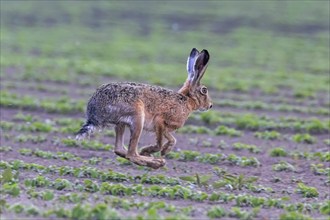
(146, 107)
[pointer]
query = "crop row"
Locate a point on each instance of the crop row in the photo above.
(257, 105)
(89, 172)
(50, 126)
(248, 121)
(241, 104)
(254, 122)
(169, 192)
(228, 180)
(63, 105)
(103, 211)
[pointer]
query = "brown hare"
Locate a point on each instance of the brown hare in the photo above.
(146, 107)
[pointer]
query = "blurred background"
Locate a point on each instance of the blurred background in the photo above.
(263, 45)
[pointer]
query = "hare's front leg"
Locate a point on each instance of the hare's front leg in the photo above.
(119, 145)
(132, 154)
(171, 141)
(147, 151)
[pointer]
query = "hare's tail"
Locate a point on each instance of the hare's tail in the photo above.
(85, 130)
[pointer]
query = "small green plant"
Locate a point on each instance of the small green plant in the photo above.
(294, 216)
(39, 181)
(326, 142)
(6, 125)
(233, 181)
(224, 130)
(47, 195)
(304, 138)
(5, 148)
(24, 117)
(123, 161)
(90, 186)
(22, 138)
(210, 158)
(210, 117)
(246, 215)
(283, 166)
(200, 180)
(216, 212)
(307, 191)
(249, 147)
(325, 208)
(187, 155)
(11, 189)
(268, 135)
(319, 169)
(192, 129)
(243, 161)
(60, 184)
(278, 152)
(247, 122)
(37, 127)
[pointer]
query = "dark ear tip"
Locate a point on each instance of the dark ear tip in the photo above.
(194, 52)
(206, 55)
(205, 51)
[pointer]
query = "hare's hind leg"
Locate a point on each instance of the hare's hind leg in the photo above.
(119, 145)
(169, 144)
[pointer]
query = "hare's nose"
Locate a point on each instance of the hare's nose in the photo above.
(211, 106)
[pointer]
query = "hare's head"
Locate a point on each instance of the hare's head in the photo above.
(196, 66)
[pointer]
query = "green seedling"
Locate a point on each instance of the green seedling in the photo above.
(192, 129)
(39, 181)
(210, 117)
(294, 216)
(6, 125)
(216, 212)
(268, 135)
(326, 142)
(9, 176)
(284, 166)
(325, 208)
(200, 180)
(243, 161)
(223, 130)
(5, 148)
(233, 181)
(307, 191)
(250, 148)
(241, 214)
(278, 152)
(304, 138)
(60, 184)
(22, 138)
(123, 161)
(37, 127)
(210, 158)
(320, 169)
(11, 189)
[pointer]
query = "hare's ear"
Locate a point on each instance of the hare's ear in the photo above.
(190, 64)
(200, 66)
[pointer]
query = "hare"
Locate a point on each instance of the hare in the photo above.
(146, 107)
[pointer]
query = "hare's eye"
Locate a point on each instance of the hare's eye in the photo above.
(204, 90)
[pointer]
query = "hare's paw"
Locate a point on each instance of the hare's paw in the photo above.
(147, 151)
(121, 152)
(154, 163)
(157, 163)
(166, 150)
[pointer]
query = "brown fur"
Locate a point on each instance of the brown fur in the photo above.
(152, 108)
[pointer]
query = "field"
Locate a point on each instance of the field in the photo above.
(262, 151)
